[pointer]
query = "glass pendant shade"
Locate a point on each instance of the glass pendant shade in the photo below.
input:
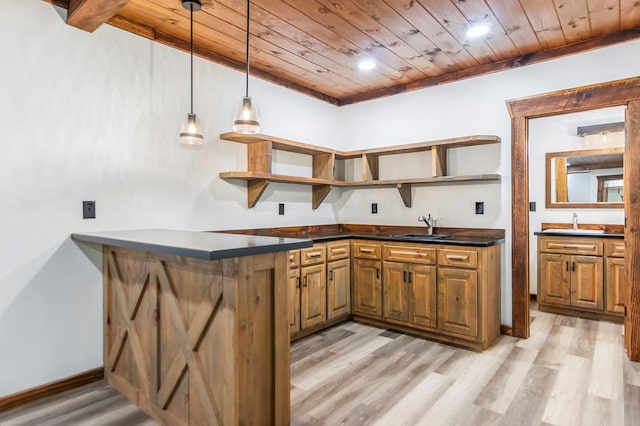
(191, 131)
(246, 118)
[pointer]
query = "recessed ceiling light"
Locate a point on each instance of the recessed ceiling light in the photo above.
(477, 30)
(366, 65)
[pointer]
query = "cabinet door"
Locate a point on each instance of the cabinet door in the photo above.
(616, 286)
(458, 301)
(313, 296)
(587, 281)
(553, 279)
(294, 300)
(395, 292)
(422, 285)
(338, 288)
(367, 291)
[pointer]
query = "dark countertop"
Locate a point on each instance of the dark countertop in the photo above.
(324, 233)
(571, 233)
(457, 240)
(199, 245)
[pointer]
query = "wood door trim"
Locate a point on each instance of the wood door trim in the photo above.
(50, 389)
(624, 92)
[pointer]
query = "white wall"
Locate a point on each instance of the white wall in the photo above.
(474, 106)
(96, 117)
(557, 134)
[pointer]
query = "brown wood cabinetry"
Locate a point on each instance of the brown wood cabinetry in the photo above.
(313, 295)
(616, 278)
(294, 300)
(367, 283)
(573, 280)
(450, 293)
(458, 301)
(338, 279)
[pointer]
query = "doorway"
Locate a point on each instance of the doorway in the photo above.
(617, 93)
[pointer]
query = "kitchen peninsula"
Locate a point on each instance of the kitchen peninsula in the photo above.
(195, 324)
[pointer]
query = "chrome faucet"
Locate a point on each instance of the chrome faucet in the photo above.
(575, 220)
(428, 221)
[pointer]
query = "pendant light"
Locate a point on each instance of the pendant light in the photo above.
(246, 119)
(191, 131)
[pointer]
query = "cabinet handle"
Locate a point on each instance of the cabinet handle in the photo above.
(457, 257)
(305, 282)
(410, 277)
(567, 266)
(404, 276)
(573, 266)
(298, 282)
(316, 254)
(377, 272)
(331, 275)
(363, 250)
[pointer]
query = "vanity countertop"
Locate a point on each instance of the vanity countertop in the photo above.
(579, 233)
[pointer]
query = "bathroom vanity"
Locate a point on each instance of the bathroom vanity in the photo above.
(581, 273)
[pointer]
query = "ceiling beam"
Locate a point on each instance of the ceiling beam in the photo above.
(88, 15)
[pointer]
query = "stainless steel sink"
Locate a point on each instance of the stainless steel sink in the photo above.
(423, 236)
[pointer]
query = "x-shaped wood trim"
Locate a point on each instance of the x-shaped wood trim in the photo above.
(189, 342)
(127, 329)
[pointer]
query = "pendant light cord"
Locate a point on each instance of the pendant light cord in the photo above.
(191, 14)
(247, 59)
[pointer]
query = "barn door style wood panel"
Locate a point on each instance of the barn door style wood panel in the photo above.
(196, 342)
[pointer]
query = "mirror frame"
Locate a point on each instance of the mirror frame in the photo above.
(549, 156)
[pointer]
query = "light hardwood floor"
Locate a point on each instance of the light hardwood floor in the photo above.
(570, 372)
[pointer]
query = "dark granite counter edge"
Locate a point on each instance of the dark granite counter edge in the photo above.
(570, 234)
(457, 241)
(194, 252)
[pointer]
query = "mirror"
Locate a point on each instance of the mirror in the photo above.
(589, 178)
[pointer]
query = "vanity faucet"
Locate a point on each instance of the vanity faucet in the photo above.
(428, 221)
(575, 220)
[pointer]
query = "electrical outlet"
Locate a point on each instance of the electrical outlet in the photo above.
(88, 209)
(532, 206)
(479, 207)
(281, 209)
(374, 208)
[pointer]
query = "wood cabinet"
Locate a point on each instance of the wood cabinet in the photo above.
(573, 280)
(313, 295)
(409, 285)
(367, 283)
(616, 278)
(445, 292)
(458, 301)
(338, 279)
(294, 300)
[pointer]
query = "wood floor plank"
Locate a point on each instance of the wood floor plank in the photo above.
(606, 371)
(569, 395)
(631, 405)
(502, 388)
(602, 411)
(556, 347)
(532, 396)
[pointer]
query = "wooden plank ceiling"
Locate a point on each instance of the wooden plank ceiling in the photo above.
(313, 46)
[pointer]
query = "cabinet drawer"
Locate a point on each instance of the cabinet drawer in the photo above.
(614, 248)
(294, 258)
(338, 250)
(465, 258)
(570, 245)
(313, 255)
(367, 250)
(415, 253)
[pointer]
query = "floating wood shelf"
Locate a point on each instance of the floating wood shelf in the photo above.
(259, 161)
